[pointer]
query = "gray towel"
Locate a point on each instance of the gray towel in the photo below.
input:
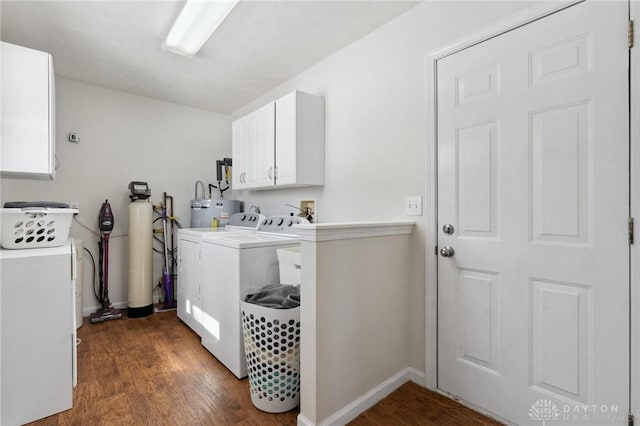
(277, 296)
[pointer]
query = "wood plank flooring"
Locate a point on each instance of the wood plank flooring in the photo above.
(153, 371)
(412, 404)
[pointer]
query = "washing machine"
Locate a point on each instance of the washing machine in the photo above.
(235, 262)
(189, 264)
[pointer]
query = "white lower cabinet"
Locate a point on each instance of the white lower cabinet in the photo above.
(37, 333)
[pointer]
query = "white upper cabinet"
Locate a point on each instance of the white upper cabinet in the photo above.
(27, 148)
(281, 144)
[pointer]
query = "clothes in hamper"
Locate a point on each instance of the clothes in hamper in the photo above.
(277, 296)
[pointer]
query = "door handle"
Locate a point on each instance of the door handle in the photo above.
(447, 251)
(269, 173)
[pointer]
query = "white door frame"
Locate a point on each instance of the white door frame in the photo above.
(635, 211)
(431, 271)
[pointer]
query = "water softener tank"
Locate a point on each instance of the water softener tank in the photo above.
(140, 252)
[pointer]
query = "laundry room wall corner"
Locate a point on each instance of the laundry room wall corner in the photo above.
(124, 137)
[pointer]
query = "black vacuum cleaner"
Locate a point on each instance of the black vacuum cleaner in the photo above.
(105, 223)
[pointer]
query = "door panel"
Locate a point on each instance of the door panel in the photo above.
(561, 170)
(560, 337)
(476, 148)
(533, 175)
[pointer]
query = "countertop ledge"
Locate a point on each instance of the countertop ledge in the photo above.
(351, 230)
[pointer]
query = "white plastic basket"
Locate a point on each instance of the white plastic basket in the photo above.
(272, 346)
(35, 227)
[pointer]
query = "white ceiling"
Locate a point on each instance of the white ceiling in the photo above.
(260, 45)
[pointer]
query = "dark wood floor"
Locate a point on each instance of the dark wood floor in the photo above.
(154, 371)
(412, 404)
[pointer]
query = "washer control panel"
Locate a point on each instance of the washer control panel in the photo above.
(281, 224)
(245, 220)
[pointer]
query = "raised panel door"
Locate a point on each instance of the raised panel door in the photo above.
(533, 154)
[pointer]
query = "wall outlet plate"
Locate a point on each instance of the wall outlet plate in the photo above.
(413, 205)
(308, 206)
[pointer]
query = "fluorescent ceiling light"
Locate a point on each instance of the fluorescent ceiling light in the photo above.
(195, 24)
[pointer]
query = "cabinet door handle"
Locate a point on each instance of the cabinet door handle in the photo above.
(269, 173)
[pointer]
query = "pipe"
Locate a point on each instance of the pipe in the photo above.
(196, 194)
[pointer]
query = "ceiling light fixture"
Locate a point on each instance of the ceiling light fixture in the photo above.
(195, 24)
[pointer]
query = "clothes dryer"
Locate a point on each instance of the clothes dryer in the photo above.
(236, 262)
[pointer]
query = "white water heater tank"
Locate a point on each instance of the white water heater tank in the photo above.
(140, 259)
(203, 211)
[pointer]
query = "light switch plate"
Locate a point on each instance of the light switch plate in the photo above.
(413, 205)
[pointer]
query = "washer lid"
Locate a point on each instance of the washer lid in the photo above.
(40, 204)
(251, 240)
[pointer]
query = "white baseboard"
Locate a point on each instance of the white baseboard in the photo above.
(369, 399)
(118, 305)
(417, 377)
(303, 421)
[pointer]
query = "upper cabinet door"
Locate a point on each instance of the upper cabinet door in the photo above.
(299, 140)
(239, 153)
(28, 114)
(265, 145)
(286, 139)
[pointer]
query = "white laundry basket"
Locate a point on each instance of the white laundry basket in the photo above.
(272, 346)
(35, 227)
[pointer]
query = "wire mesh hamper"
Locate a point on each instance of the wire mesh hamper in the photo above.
(272, 346)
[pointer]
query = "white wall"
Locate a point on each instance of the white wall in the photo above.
(375, 137)
(124, 137)
(375, 127)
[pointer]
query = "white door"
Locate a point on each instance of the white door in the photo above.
(533, 158)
